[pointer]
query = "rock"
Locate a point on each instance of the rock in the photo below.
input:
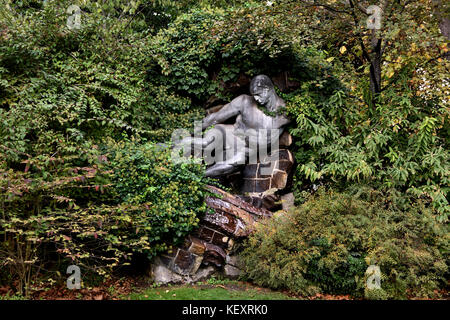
(230, 245)
(271, 201)
(183, 262)
(203, 273)
(205, 233)
(221, 240)
(284, 165)
(163, 275)
(196, 265)
(160, 274)
(227, 197)
(208, 235)
(233, 260)
(214, 255)
(285, 139)
(223, 221)
(197, 246)
(231, 272)
(272, 172)
(279, 179)
(208, 249)
(229, 218)
(261, 185)
(230, 208)
(287, 201)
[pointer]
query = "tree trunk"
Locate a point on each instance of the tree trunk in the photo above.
(375, 65)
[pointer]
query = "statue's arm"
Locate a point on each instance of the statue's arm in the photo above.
(229, 110)
(281, 121)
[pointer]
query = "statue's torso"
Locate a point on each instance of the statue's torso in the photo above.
(253, 121)
(252, 117)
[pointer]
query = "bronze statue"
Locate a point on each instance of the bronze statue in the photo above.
(255, 128)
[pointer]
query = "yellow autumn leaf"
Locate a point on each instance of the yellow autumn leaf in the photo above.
(343, 49)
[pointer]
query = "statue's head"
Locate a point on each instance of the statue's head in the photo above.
(262, 90)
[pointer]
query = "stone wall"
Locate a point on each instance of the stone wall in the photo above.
(211, 248)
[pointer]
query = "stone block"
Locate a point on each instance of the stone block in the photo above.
(284, 165)
(197, 246)
(163, 275)
(184, 262)
(220, 240)
(271, 202)
(224, 221)
(206, 234)
(262, 185)
(231, 272)
(266, 169)
(250, 170)
(285, 139)
(229, 218)
(248, 186)
(279, 179)
(166, 260)
(240, 203)
(285, 154)
(233, 260)
(287, 201)
(214, 255)
(203, 274)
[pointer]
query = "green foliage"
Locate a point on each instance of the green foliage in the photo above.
(395, 136)
(62, 92)
(204, 50)
(81, 111)
(168, 197)
(401, 144)
(145, 203)
(326, 245)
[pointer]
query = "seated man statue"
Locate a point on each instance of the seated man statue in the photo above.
(251, 121)
(254, 128)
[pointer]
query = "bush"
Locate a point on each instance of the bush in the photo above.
(326, 245)
(401, 142)
(131, 199)
(168, 197)
(63, 199)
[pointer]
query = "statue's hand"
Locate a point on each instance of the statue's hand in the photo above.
(208, 121)
(207, 141)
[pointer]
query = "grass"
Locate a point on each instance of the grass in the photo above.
(206, 291)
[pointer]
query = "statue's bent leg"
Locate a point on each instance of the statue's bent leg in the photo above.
(226, 167)
(219, 169)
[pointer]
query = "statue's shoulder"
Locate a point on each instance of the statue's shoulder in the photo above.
(243, 99)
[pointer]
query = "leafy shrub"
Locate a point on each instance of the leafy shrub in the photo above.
(167, 197)
(132, 199)
(326, 245)
(204, 50)
(340, 142)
